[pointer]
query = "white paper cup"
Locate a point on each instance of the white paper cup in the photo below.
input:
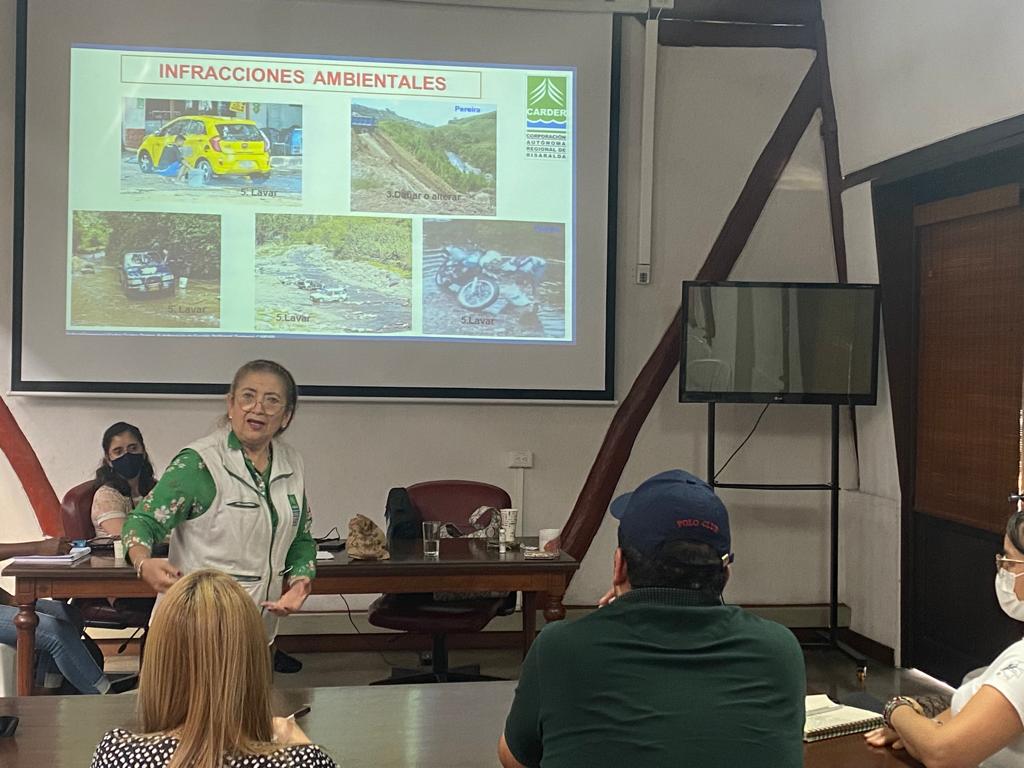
(509, 518)
(118, 549)
(549, 539)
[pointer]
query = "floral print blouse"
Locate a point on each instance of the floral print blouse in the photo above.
(109, 504)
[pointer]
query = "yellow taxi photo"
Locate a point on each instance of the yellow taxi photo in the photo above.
(213, 146)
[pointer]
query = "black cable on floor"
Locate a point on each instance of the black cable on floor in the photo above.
(352, 621)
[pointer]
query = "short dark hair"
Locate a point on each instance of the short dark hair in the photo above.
(291, 392)
(678, 564)
(1015, 529)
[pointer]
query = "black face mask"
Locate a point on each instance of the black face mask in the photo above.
(129, 465)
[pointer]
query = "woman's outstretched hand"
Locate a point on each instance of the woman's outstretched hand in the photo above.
(291, 601)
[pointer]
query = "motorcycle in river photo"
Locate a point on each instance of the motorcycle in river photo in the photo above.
(476, 278)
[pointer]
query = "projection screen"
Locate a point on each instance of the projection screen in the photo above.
(389, 199)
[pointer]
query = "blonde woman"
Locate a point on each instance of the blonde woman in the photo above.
(204, 693)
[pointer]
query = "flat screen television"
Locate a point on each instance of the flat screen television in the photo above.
(745, 342)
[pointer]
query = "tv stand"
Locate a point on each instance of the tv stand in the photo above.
(830, 638)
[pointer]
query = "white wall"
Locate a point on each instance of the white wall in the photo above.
(906, 74)
(717, 109)
(870, 527)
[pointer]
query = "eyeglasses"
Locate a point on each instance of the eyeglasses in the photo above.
(1006, 562)
(272, 404)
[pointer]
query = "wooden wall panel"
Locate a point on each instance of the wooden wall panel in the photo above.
(970, 362)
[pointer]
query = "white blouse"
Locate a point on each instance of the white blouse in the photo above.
(1006, 675)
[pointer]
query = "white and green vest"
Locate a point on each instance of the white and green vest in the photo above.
(235, 534)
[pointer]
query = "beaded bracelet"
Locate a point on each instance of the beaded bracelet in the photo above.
(895, 703)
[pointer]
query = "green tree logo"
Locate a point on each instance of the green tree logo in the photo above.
(546, 99)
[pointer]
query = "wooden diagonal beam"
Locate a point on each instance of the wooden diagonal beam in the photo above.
(30, 474)
(587, 514)
(833, 172)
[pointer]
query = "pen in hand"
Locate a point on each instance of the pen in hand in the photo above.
(287, 731)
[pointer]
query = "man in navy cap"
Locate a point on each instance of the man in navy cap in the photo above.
(665, 674)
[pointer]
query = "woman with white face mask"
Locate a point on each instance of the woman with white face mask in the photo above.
(984, 725)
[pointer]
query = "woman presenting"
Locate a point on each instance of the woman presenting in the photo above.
(235, 501)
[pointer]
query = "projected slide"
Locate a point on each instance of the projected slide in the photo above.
(286, 196)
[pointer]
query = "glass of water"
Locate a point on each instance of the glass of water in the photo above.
(432, 538)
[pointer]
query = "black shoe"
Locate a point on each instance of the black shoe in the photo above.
(124, 684)
(286, 664)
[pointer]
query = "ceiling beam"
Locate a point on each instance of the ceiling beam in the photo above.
(676, 33)
(747, 11)
(576, 6)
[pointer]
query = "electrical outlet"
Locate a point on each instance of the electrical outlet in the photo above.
(666, 4)
(643, 274)
(519, 459)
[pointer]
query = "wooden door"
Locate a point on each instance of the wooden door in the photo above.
(970, 359)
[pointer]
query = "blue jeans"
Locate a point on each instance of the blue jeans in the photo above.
(59, 645)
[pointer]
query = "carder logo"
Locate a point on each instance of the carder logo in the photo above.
(546, 102)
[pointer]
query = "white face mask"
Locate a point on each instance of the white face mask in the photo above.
(1012, 605)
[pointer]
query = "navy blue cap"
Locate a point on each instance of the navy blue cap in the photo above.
(672, 506)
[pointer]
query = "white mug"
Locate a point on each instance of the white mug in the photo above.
(549, 539)
(118, 549)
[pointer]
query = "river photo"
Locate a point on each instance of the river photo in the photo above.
(333, 274)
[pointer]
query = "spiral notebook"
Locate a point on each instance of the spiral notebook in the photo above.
(72, 557)
(825, 719)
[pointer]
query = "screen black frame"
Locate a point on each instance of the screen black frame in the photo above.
(22, 386)
(798, 398)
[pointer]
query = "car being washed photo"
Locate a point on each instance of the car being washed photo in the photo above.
(145, 272)
(213, 146)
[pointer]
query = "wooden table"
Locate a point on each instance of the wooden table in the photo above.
(465, 565)
(454, 725)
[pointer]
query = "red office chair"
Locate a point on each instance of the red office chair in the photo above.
(76, 514)
(452, 501)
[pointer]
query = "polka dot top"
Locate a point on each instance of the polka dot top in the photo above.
(122, 749)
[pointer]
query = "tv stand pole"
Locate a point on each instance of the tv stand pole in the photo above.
(831, 637)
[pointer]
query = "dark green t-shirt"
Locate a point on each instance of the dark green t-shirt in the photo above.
(661, 678)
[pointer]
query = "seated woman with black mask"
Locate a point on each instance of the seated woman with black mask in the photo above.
(122, 479)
